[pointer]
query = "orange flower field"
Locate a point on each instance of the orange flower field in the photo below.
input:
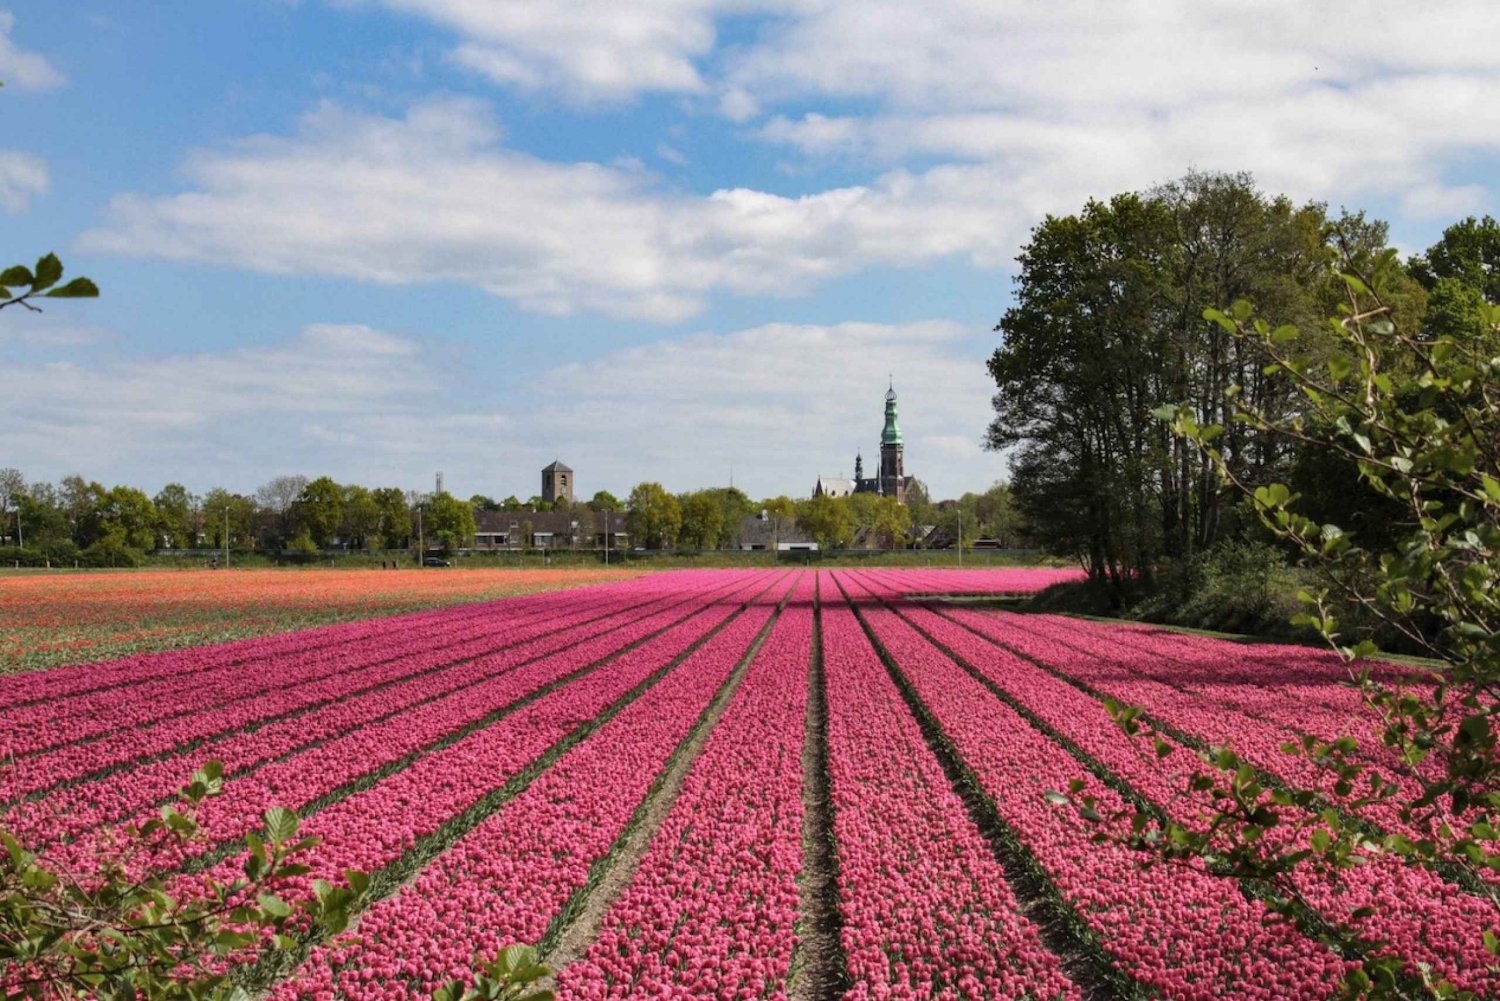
(53, 619)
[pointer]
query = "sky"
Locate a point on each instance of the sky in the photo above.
(677, 240)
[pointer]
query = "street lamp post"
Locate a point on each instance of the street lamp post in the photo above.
(421, 539)
(606, 536)
(226, 536)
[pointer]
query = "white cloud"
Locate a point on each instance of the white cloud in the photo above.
(778, 405)
(23, 176)
(20, 68)
(589, 50)
(434, 196)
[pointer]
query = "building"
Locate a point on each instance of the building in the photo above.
(549, 530)
(891, 481)
(557, 483)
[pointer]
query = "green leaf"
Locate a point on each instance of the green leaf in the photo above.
(281, 824)
(15, 276)
(48, 271)
(274, 905)
(78, 288)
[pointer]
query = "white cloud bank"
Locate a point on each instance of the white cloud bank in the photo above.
(435, 196)
(777, 405)
(977, 119)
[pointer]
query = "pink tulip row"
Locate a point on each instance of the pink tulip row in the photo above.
(34, 729)
(372, 828)
(62, 683)
(712, 908)
(509, 879)
(360, 734)
(1426, 919)
(1257, 741)
(996, 580)
(927, 911)
(1179, 931)
(1304, 690)
(185, 734)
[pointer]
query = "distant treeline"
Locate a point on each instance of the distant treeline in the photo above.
(78, 520)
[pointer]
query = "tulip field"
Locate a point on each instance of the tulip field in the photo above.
(778, 783)
(48, 619)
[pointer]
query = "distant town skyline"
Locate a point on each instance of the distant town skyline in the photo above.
(661, 240)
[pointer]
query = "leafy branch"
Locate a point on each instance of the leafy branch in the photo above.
(20, 284)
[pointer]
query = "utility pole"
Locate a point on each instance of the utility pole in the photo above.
(226, 536)
(960, 536)
(606, 536)
(421, 540)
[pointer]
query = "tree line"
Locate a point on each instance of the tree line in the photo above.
(82, 520)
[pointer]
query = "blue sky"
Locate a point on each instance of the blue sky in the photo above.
(662, 239)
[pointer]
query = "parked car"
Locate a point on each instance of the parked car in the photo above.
(436, 561)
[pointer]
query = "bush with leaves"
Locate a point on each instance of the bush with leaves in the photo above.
(20, 284)
(1417, 412)
(114, 934)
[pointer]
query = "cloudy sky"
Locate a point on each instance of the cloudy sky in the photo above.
(680, 240)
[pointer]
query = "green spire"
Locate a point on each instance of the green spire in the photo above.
(892, 433)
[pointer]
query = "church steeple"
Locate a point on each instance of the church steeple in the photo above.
(859, 467)
(891, 435)
(892, 481)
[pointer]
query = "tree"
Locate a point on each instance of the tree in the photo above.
(361, 526)
(890, 522)
(1106, 326)
(702, 520)
(126, 517)
(512, 503)
(277, 499)
(449, 520)
(654, 517)
(394, 523)
(479, 502)
(12, 489)
(828, 520)
(319, 511)
(19, 285)
(603, 500)
(177, 516)
(219, 506)
(79, 500)
(1418, 414)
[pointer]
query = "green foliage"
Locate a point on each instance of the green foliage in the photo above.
(319, 511)
(116, 935)
(19, 285)
(512, 975)
(449, 520)
(829, 520)
(1417, 413)
(603, 500)
(655, 516)
(1106, 325)
(702, 520)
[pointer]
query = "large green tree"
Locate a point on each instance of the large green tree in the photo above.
(655, 516)
(1107, 325)
(177, 514)
(448, 520)
(702, 520)
(319, 511)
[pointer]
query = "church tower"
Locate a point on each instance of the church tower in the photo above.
(892, 472)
